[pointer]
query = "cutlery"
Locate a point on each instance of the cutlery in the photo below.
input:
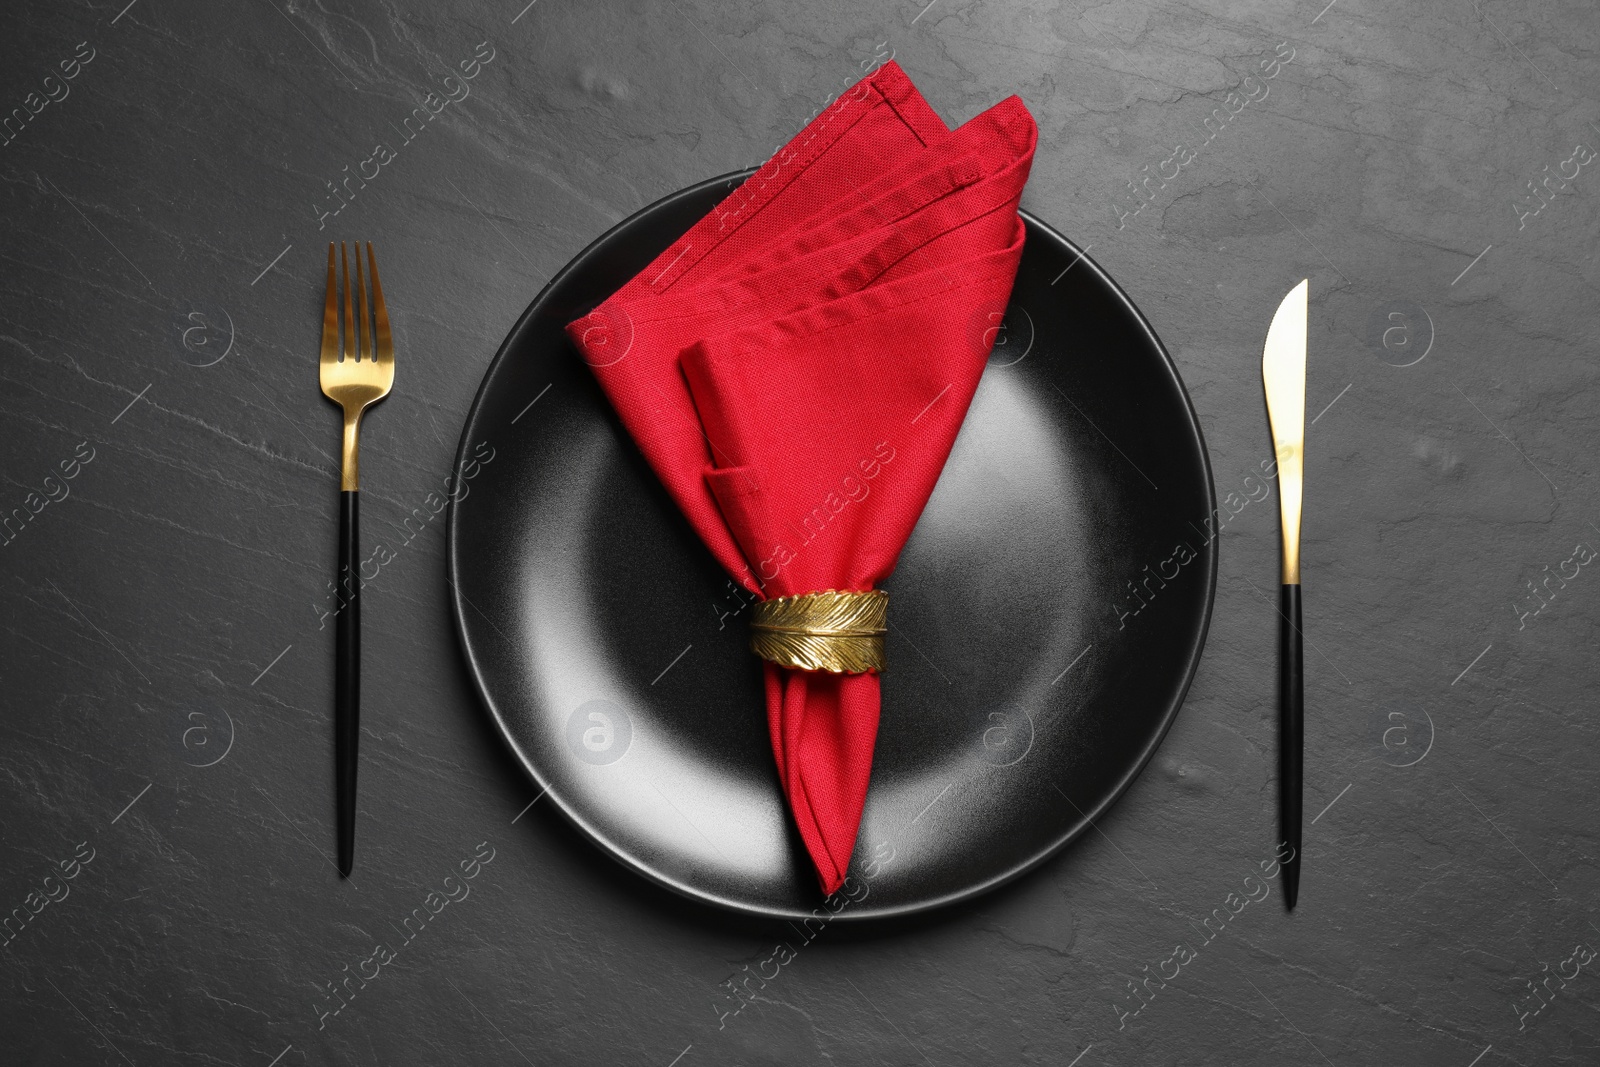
(1283, 372)
(354, 376)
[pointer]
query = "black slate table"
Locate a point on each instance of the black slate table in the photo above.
(170, 173)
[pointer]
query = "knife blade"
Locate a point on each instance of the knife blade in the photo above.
(1283, 374)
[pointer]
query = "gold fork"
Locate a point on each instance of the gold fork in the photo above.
(360, 378)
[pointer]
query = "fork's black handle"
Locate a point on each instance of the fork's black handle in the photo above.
(347, 679)
(1291, 738)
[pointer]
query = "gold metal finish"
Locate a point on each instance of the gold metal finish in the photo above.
(1283, 371)
(366, 372)
(837, 632)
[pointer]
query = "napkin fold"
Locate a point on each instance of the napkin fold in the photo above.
(796, 367)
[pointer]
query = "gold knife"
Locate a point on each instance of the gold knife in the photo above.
(1283, 372)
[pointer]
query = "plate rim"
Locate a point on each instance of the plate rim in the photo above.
(699, 894)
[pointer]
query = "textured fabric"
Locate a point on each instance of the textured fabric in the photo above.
(796, 367)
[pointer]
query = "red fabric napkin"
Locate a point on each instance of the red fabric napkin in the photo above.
(796, 367)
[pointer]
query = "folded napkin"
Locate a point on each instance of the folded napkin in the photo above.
(795, 368)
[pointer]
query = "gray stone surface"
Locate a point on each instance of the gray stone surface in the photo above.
(165, 735)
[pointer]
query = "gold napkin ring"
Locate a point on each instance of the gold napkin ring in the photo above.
(837, 632)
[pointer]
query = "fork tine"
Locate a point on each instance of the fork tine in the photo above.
(330, 316)
(385, 340)
(364, 338)
(350, 352)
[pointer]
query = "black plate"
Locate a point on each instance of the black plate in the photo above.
(1046, 625)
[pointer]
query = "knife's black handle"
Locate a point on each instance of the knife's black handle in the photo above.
(347, 680)
(1291, 738)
